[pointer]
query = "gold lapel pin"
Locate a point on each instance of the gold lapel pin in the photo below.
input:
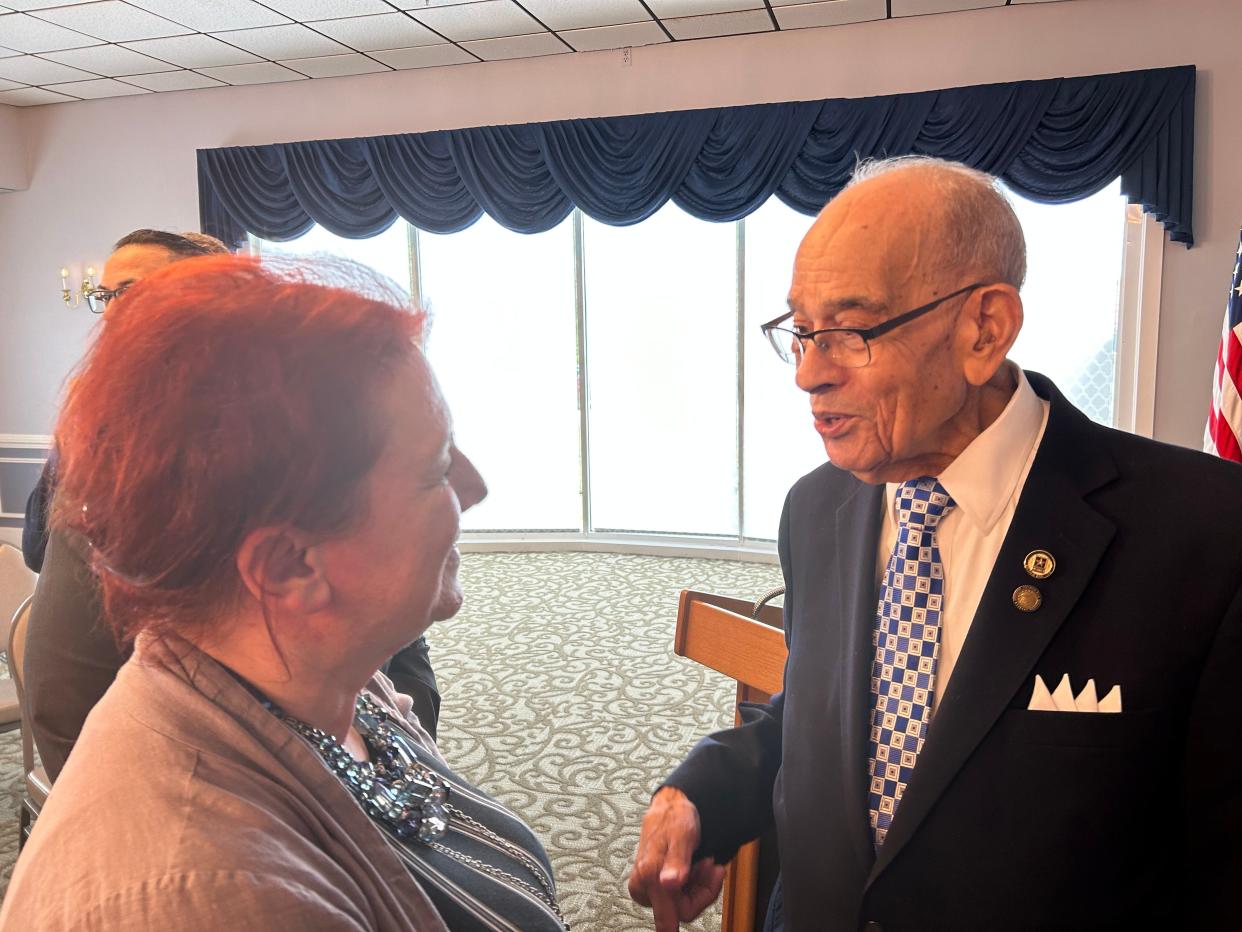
(1027, 599)
(1039, 564)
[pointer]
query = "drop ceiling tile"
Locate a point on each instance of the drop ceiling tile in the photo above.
(291, 41)
(486, 19)
(112, 21)
(585, 14)
(667, 9)
(614, 37)
(264, 72)
(719, 24)
(27, 34)
(919, 7)
(304, 11)
(100, 87)
(32, 97)
(210, 15)
(7, 85)
(426, 56)
(110, 60)
(36, 4)
(426, 4)
(794, 15)
(31, 70)
(334, 66)
(173, 81)
(193, 51)
(539, 43)
(387, 31)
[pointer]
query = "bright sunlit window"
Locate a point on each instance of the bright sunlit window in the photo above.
(627, 361)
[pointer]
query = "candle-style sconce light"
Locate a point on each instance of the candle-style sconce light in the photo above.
(75, 296)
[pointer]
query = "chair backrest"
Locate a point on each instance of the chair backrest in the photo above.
(719, 633)
(17, 581)
(14, 657)
(17, 643)
(714, 631)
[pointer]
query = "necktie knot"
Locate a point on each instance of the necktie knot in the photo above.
(923, 501)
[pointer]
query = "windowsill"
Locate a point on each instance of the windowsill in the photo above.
(655, 545)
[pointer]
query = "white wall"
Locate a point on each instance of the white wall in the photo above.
(13, 175)
(100, 168)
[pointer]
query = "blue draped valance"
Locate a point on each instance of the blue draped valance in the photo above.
(1054, 140)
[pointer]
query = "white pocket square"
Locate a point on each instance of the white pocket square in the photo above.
(1062, 699)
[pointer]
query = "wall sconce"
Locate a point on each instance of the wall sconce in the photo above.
(71, 297)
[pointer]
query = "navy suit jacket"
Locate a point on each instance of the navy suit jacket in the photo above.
(1013, 819)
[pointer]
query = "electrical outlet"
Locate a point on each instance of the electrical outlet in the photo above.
(627, 57)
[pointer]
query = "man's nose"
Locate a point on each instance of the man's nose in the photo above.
(467, 482)
(817, 370)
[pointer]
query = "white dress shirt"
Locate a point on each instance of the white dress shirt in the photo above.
(985, 481)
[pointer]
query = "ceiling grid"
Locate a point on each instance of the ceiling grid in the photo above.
(54, 51)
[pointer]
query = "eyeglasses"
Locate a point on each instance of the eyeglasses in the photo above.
(846, 346)
(97, 298)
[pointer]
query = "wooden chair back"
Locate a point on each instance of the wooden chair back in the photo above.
(718, 632)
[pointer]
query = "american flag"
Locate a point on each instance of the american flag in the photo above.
(1223, 435)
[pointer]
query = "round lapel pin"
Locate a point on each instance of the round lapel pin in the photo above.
(1039, 564)
(1027, 599)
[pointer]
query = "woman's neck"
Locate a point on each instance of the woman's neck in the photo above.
(306, 679)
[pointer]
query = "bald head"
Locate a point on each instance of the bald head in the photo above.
(922, 260)
(974, 225)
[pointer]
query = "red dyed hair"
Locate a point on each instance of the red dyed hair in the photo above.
(223, 395)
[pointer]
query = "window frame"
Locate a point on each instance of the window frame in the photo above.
(1138, 330)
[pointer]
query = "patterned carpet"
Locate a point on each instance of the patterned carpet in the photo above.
(562, 698)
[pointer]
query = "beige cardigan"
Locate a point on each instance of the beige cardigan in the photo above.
(186, 805)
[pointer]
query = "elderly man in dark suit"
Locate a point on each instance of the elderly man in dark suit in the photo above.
(1015, 636)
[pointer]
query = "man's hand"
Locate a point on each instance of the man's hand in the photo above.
(663, 877)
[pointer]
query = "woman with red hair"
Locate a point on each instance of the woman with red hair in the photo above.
(249, 769)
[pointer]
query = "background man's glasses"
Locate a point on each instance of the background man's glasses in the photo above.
(846, 346)
(97, 298)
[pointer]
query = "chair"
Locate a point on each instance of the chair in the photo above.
(719, 633)
(37, 785)
(16, 585)
(16, 581)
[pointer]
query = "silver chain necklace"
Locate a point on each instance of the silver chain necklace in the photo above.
(395, 788)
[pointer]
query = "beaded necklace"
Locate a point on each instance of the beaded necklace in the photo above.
(395, 788)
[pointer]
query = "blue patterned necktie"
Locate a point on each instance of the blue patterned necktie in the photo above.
(907, 646)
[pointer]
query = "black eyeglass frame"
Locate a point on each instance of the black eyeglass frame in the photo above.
(97, 298)
(866, 335)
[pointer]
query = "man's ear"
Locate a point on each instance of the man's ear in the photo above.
(278, 567)
(993, 316)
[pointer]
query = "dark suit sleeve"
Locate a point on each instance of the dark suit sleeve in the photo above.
(34, 531)
(410, 671)
(729, 775)
(1213, 781)
(71, 658)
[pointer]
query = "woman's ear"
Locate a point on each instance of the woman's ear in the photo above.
(995, 318)
(277, 567)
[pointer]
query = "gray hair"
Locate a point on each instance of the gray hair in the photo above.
(981, 230)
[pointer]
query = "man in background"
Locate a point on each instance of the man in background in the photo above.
(1014, 635)
(71, 658)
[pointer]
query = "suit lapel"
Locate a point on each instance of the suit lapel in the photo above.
(859, 520)
(1004, 644)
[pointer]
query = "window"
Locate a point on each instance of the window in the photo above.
(661, 323)
(1072, 296)
(502, 343)
(612, 382)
